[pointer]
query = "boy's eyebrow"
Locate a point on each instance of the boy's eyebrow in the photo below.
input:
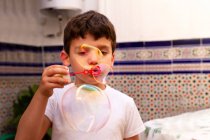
(103, 47)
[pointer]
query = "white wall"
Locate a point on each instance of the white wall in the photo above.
(19, 22)
(158, 19)
(134, 20)
(23, 23)
(125, 16)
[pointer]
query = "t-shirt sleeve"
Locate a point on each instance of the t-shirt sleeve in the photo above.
(50, 108)
(134, 123)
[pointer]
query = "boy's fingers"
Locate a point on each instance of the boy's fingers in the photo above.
(56, 66)
(54, 82)
(56, 69)
(59, 80)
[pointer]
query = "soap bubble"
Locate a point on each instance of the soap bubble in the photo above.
(86, 108)
(101, 74)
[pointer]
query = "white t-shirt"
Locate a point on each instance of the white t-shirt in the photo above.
(124, 121)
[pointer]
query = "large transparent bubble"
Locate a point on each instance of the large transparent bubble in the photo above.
(87, 107)
(87, 110)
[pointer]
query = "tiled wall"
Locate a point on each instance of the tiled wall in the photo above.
(165, 78)
(20, 67)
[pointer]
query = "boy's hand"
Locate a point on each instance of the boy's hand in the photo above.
(53, 77)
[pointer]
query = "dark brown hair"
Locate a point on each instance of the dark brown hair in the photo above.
(90, 22)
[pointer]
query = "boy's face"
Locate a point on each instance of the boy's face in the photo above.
(80, 60)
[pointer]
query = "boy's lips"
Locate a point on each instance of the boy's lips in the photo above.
(96, 71)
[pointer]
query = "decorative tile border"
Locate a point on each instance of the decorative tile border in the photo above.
(146, 57)
(170, 53)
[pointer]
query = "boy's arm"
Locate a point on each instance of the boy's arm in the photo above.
(34, 124)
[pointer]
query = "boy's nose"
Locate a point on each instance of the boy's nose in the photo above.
(93, 59)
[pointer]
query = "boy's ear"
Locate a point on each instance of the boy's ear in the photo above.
(65, 58)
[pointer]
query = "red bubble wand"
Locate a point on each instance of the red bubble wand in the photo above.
(93, 71)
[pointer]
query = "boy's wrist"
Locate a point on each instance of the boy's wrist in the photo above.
(44, 93)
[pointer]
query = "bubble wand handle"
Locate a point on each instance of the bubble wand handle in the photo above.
(93, 71)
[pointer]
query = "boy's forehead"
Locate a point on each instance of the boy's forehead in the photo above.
(101, 43)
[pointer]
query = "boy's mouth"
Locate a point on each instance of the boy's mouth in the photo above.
(95, 71)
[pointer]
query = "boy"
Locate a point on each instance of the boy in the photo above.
(125, 123)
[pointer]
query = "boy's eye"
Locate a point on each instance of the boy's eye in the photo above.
(104, 52)
(82, 52)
